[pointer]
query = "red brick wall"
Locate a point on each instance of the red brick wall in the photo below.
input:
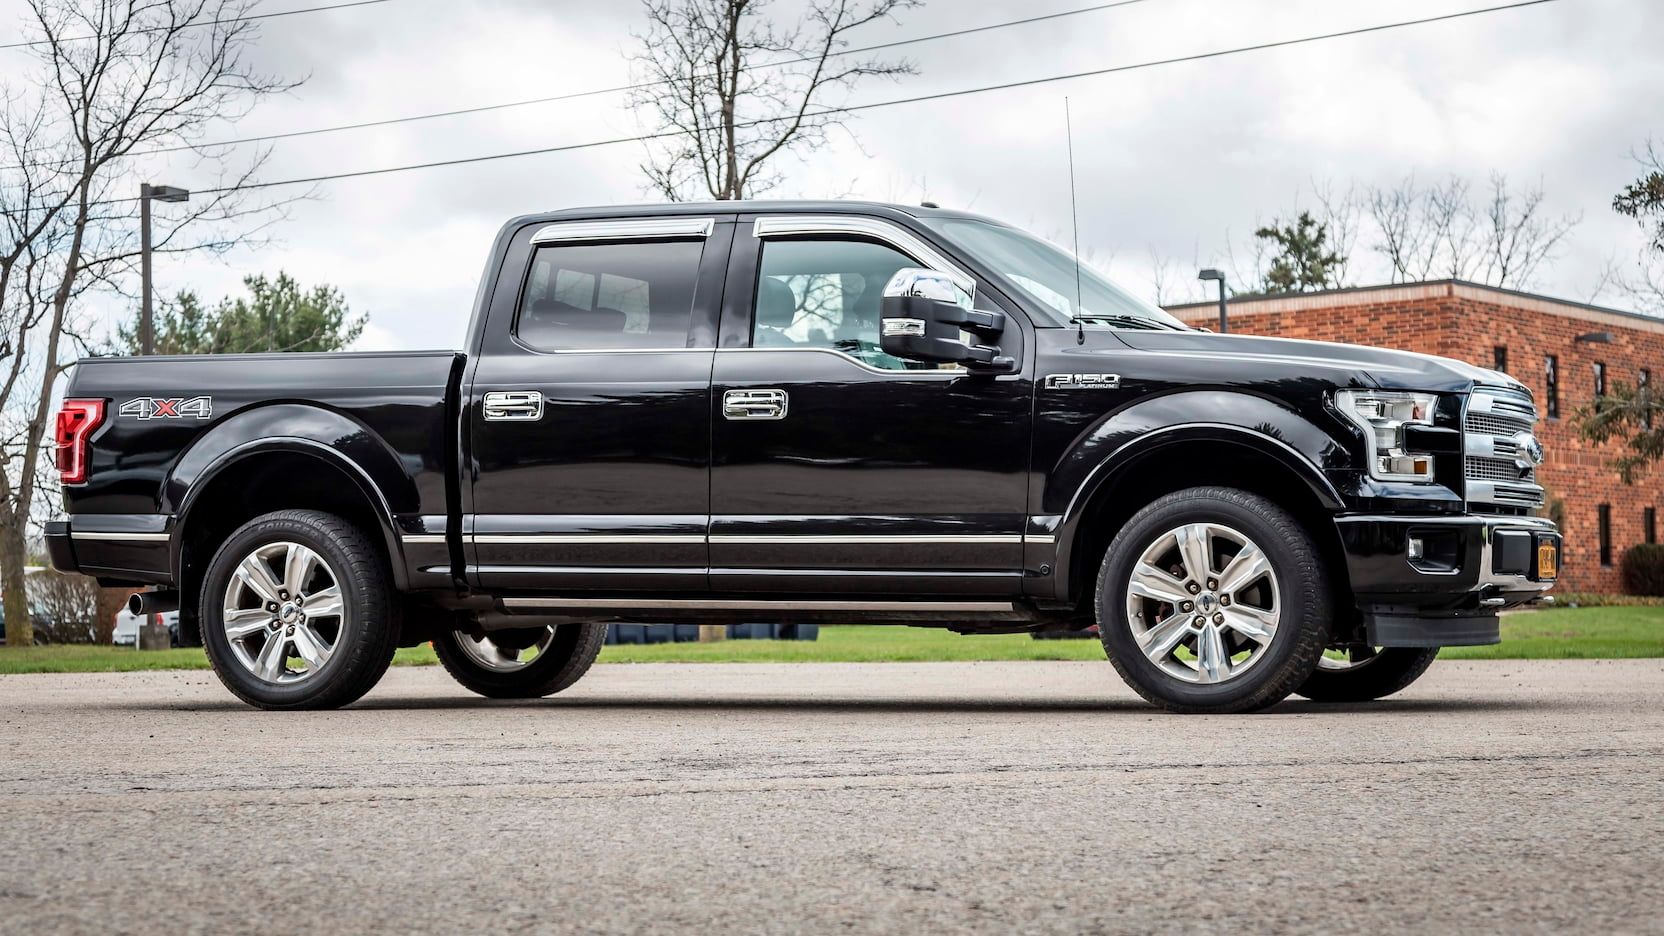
(1468, 322)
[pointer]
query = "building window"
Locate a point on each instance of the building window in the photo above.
(1605, 534)
(1499, 358)
(1642, 383)
(1551, 373)
(1600, 380)
(1649, 524)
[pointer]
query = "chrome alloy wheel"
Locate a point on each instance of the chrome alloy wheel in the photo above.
(1202, 603)
(501, 655)
(1353, 658)
(284, 614)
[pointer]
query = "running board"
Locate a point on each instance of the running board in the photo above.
(752, 610)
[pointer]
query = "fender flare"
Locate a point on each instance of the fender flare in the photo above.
(296, 429)
(1127, 438)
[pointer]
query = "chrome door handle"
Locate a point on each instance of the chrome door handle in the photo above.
(754, 404)
(513, 405)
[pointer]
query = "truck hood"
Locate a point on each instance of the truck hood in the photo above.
(1349, 364)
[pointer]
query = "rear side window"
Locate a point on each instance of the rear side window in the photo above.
(597, 297)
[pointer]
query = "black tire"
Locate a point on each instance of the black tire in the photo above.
(367, 635)
(1390, 670)
(571, 651)
(1305, 603)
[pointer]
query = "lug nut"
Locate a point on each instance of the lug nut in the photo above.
(1186, 606)
(1213, 584)
(1193, 588)
(271, 606)
(1199, 621)
(283, 595)
(1218, 618)
(1225, 600)
(291, 629)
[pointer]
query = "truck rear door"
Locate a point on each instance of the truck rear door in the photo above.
(589, 407)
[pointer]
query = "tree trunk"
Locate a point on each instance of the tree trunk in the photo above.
(14, 556)
(110, 602)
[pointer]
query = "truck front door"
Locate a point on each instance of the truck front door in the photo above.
(589, 408)
(839, 470)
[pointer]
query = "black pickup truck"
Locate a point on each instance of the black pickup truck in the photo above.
(822, 412)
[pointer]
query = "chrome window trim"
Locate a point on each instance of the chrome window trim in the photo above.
(891, 234)
(570, 232)
(936, 374)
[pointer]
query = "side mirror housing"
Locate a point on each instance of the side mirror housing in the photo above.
(926, 317)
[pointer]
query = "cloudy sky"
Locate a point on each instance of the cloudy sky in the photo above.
(1176, 165)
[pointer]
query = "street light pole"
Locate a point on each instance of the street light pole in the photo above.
(1210, 274)
(147, 321)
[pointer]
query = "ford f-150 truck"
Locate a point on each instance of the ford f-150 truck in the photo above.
(823, 412)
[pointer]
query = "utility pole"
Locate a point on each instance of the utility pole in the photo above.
(147, 321)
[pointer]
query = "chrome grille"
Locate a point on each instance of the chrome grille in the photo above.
(1494, 416)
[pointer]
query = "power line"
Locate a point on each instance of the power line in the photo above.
(217, 22)
(619, 89)
(856, 108)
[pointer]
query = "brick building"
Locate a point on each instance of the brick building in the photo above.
(1566, 352)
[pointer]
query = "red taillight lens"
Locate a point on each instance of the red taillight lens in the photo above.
(76, 421)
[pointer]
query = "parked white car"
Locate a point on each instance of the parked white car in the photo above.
(127, 627)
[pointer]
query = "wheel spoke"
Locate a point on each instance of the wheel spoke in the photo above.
(1160, 640)
(1194, 550)
(241, 624)
(1156, 584)
(254, 573)
(1255, 624)
(1243, 569)
(269, 664)
(1212, 662)
(297, 567)
(324, 603)
(312, 647)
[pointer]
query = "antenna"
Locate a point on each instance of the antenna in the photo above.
(1074, 220)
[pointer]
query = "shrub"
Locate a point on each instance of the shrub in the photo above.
(1642, 569)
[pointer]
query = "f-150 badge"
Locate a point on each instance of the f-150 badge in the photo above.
(200, 407)
(1083, 381)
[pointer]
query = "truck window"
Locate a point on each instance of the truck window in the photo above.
(826, 293)
(597, 297)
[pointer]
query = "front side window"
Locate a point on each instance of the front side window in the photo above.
(826, 293)
(585, 297)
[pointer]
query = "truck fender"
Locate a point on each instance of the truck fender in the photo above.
(1110, 447)
(303, 429)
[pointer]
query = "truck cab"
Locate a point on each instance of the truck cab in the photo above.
(811, 411)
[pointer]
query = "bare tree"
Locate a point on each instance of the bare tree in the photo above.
(1340, 212)
(111, 78)
(1438, 230)
(729, 90)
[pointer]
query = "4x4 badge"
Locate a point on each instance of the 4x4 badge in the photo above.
(1083, 381)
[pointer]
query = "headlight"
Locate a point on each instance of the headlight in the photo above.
(1384, 415)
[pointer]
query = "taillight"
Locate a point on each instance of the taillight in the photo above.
(76, 421)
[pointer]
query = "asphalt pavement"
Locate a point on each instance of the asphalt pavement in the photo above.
(920, 798)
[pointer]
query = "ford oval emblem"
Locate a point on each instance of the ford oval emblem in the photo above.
(1528, 452)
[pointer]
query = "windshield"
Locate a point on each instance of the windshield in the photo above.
(1047, 274)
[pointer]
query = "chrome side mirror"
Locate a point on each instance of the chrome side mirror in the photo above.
(927, 316)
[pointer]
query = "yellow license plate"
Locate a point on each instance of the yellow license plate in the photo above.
(1548, 559)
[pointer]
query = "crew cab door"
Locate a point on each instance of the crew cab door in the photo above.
(589, 408)
(837, 469)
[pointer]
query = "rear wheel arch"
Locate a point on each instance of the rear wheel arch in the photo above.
(270, 475)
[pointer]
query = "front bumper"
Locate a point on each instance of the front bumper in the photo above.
(1469, 567)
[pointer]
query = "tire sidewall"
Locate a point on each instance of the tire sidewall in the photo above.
(1302, 598)
(568, 656)
(244, 684)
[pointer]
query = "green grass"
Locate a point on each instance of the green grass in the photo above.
(1563, 633)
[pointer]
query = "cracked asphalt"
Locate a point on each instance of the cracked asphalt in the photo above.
(968, 797)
